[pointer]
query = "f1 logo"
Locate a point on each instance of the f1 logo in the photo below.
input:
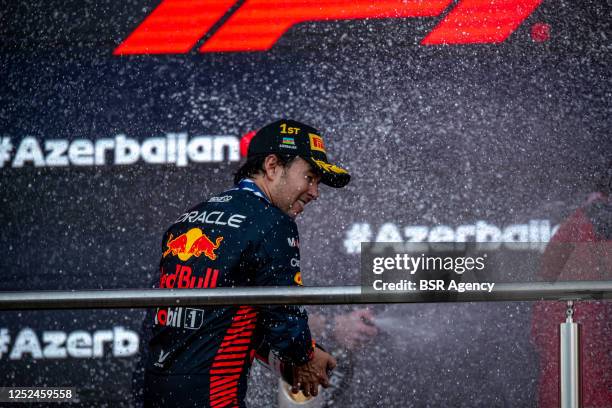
(176, 26)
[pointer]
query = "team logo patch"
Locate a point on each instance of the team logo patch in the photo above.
(316, 143)
(298, 278)
(192, 243)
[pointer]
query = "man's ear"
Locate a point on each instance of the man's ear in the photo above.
(271, 167)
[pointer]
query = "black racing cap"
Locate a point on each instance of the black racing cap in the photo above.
(295, 138)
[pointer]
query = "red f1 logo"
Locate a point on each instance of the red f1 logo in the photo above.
(175, 26)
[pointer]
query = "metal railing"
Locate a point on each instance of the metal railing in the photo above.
(140, 298)
(322, 295)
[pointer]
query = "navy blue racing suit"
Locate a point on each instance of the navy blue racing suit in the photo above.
(200, 356)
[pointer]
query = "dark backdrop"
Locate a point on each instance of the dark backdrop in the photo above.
(433, 135)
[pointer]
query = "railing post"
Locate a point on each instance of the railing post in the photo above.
(570, 361)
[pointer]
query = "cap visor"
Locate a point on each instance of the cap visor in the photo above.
(331, 174)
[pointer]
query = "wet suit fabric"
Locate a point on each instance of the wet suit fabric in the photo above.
(200, 356)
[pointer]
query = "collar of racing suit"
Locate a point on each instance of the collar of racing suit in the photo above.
(249, 185)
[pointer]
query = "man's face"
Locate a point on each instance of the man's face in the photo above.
(296, 185)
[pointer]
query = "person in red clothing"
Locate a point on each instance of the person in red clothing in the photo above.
(581, 249)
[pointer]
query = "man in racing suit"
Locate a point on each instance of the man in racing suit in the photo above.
(245, 236)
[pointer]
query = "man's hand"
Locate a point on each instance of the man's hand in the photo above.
(307, 377)
(354, 328)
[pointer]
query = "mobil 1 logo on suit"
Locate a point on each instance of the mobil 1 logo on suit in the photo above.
(179, 317)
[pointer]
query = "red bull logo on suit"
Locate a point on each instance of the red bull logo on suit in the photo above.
(192, 243)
